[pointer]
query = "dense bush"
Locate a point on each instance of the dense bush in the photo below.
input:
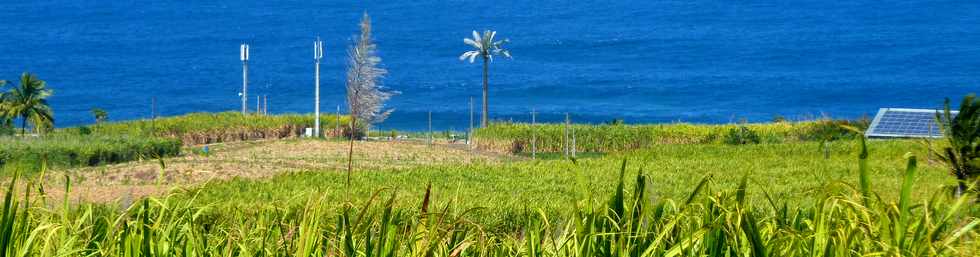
(741, 135)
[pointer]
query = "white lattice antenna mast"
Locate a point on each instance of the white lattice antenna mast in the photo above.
(317, 55)
(244, 57)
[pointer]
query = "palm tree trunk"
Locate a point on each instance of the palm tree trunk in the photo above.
(486, 64)
(23, 126)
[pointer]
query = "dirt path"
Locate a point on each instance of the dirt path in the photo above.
(252, 160)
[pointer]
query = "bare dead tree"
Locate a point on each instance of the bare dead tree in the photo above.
(365, 93)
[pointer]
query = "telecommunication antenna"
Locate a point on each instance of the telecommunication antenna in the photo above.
(317, 55)
(244, 57)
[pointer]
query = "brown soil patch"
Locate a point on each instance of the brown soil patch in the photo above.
(253, 160)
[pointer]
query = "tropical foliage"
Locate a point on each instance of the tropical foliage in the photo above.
(485, 47)
(962, 132)
(28, 101)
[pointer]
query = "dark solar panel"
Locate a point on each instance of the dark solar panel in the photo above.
(905, 123)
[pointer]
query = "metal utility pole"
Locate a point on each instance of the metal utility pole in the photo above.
(258, 104)
(317, 55)
(265, 104)
(244, 57)
(534, 134)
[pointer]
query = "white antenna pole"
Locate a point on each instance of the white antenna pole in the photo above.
(244, 57)
(317, 55)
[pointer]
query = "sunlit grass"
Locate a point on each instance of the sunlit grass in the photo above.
(794, 172)
(614, 210)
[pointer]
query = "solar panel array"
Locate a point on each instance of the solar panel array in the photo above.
(905, 123)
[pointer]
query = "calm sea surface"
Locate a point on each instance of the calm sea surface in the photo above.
(643, 61)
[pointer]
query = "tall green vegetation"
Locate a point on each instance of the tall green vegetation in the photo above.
(629, 221)
(517, 137)
(206, 128)
(485, 47)
(962, 132)
(115, 142)
(68, 150)
(28, 101)
(365, 93)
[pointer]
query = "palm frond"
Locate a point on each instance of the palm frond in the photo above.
(475, 44)
(469, 55)
(476, 37)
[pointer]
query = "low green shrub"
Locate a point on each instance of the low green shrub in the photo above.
(741, 135)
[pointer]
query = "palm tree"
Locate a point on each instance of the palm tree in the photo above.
(29, 102)
(486, 48)
(963, 133)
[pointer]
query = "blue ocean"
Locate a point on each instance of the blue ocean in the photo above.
(704, 61)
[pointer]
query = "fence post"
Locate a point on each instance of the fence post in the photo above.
(336, 126)
(430, 128)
